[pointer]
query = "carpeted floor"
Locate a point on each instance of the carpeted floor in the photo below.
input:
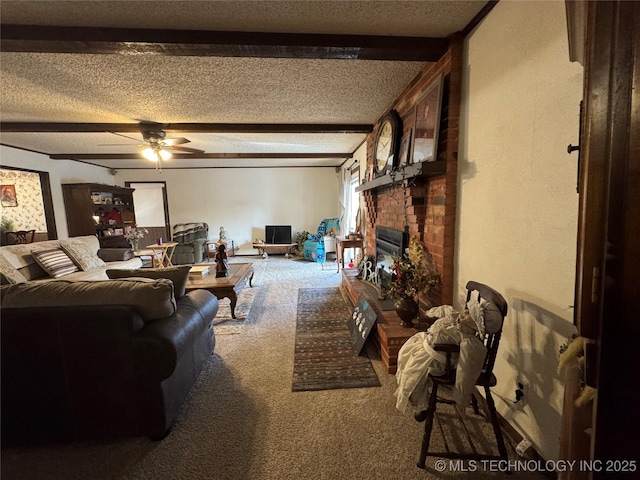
(243, 422)
(224, 323)
(324, 356)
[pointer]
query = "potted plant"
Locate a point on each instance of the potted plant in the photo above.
(7, 225)
(411, 277)
(301, 237)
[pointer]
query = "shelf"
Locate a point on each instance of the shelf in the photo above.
(410, 171)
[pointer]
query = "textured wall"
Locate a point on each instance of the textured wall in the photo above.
(517, 201)
(29, 214)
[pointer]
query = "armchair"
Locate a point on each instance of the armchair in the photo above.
(318, 245)
(191, 239)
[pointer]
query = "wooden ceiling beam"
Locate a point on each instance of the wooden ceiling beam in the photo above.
(133, 41)
(49, 127)
(200, 156)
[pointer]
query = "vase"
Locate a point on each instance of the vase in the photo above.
(407, 309)
(134, 244)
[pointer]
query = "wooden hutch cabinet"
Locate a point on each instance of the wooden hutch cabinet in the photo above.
(102, 210)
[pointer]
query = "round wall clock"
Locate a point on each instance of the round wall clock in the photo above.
(386, 146)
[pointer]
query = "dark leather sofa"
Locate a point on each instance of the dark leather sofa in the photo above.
(99, 369)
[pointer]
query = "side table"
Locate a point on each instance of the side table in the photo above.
(212, 247)
(346, 242)
(162, 254)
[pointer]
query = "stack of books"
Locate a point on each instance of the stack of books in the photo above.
(199, 270)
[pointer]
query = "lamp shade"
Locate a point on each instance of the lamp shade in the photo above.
(155, 154)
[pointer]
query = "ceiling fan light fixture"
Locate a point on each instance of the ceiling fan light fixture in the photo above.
(150, 154)
(156, 153)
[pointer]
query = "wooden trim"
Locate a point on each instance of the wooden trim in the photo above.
(133, 41)
(216, 167)
(165, 199)
(47, 200)
(52, 127)
(479, 17)
(199, 156)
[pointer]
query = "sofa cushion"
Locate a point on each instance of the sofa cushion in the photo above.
(81, 254)
(115, 254)
(178, 275)
(9, 273)
(55, 262)
(153, 299)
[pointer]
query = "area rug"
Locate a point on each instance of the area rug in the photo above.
(224, 324)
(324, 358)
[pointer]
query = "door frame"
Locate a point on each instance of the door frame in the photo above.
(165, 200)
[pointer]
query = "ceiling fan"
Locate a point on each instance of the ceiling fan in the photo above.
(155, 145)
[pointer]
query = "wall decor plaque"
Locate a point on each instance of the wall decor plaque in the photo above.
(361, 323)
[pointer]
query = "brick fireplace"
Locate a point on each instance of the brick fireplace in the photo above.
(429, 209)
(426, 203)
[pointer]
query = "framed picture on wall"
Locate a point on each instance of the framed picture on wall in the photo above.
(405, 144)
(427, 123)
(8, 196)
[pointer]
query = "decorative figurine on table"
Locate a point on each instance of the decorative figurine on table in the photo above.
(222, 266)
(223, 234)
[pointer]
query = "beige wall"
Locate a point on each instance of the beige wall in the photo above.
(517, 211)
(244, 200)
(241, 200)
(60, 171)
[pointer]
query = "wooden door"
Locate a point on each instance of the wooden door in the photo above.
(152, 210)
(608, 266)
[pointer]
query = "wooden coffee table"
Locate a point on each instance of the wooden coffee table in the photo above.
(239, 275)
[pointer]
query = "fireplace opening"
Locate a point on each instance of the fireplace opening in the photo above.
(389, 242)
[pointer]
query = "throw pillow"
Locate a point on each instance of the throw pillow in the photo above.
(82, 255)
(178, 275)
(492, 317)
(55, 262)
(9, 273)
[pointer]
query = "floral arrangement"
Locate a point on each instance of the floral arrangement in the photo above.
(411, 275)
(135, 233)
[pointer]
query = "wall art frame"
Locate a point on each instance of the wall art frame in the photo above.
(405, 148)
(8, 196)
(426, 124)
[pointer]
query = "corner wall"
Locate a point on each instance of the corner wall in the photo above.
(517, 202)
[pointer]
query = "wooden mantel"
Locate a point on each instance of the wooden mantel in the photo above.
(409, 171)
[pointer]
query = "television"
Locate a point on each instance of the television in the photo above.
(277, 234)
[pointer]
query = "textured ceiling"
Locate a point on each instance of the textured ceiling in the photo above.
(112, 88)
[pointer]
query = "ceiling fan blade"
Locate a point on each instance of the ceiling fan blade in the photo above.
(125, 136)
(114, 144)
(185, 149)
(176, 141)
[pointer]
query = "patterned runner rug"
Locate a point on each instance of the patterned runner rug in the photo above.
(324, 358)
